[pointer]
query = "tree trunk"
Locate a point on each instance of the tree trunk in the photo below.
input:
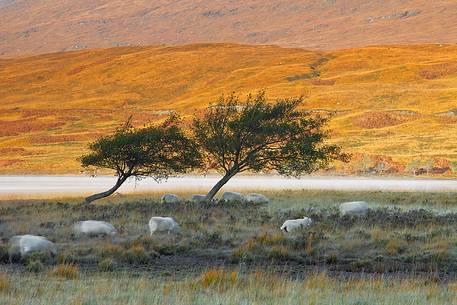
(107, 193)
(220, 184)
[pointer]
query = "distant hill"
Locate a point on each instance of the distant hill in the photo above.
(37, 27)
(396, 106)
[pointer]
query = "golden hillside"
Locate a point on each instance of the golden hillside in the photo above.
(45, 26)
(391, 101)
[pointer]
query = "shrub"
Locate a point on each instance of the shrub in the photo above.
(67, 271)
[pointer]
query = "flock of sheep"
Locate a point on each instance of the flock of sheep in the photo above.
(23, 245)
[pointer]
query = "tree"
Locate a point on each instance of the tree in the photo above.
(156, 151)
(259, 136)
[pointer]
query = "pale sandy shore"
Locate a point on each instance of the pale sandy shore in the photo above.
(68, 186)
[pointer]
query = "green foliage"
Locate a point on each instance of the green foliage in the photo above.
(156, 151)
(254, 135)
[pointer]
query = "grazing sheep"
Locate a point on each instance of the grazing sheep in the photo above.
(94, 227)
(292, 224)
(163, 224)
(198, 198)
(232, 196)
(257, 198)
(170, 198)
(355, 208)
(22, 245)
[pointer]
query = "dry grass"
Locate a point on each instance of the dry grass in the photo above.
(5, 283)
(314, 25)
(227, 287)
(53, 105)
(67, 271)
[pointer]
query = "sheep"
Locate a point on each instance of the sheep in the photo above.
(292, 224)
(23, 245)
(257, 198)
(354, 208)
(163, 224)
(232, 196)
(94, 227)
(198, 198)
(170, 198)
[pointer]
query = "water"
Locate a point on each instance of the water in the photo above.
(55, 186)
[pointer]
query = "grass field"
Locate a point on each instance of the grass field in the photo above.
(222, 287)
(403, 252)
(395, 105)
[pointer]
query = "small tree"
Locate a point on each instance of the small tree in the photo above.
(258, 136)
(156, 151)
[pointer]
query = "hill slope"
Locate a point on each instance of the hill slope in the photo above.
(37, 27)
(396, 102)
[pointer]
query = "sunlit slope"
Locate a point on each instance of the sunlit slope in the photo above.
(397, 101)
(46, 26)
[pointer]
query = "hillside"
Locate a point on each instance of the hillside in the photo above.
(394, 104)
(38, 27)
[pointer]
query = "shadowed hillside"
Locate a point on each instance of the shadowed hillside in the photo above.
(37, 27)
(396, 106)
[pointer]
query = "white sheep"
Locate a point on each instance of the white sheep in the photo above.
(257, 198)
(163, 224)
(198, 198)
(170, 198)
(293, 224)
(232, 196)
(354, 208)
(94, 227)
(22, 245)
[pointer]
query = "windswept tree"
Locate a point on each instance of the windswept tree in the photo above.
(156, 151)
(257, 136)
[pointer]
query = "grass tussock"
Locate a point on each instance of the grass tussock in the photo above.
(66, 271)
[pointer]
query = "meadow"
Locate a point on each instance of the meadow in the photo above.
(404, 251)
(394, 106)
